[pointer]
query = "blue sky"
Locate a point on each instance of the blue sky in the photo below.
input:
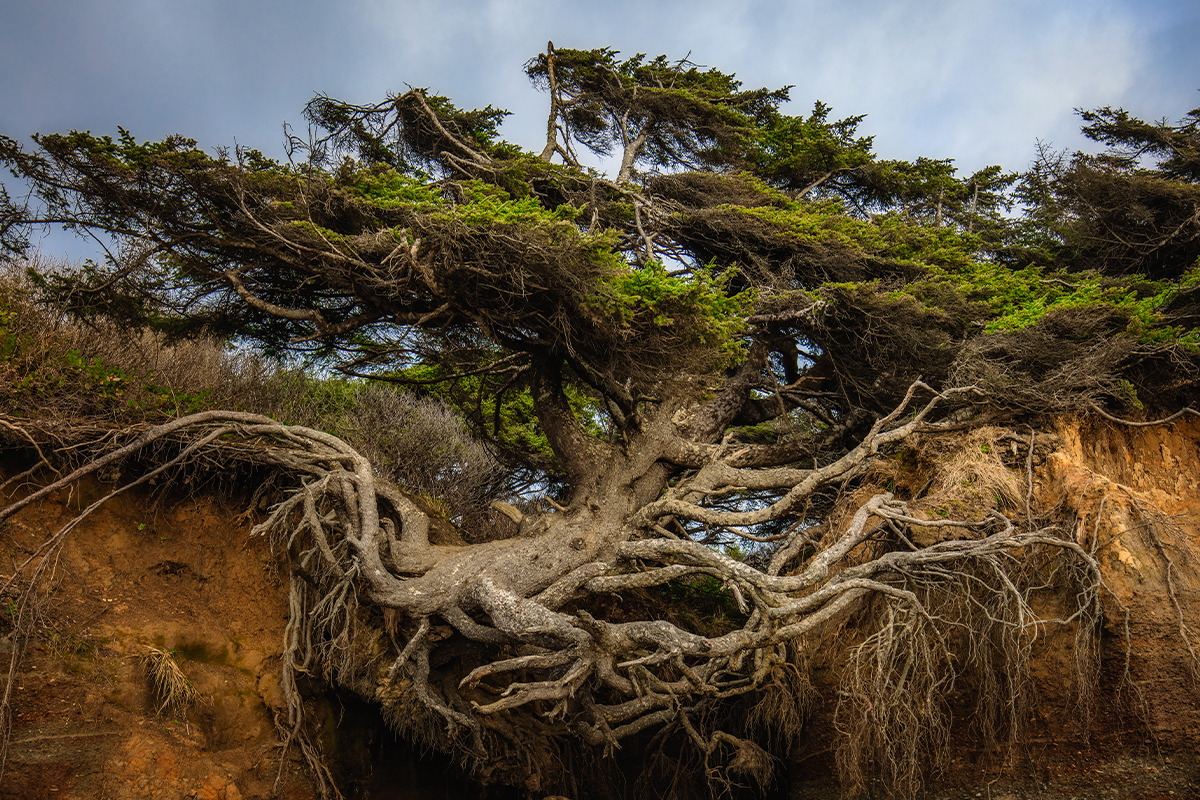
(979, 81)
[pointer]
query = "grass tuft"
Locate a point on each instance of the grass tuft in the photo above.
(175, 693)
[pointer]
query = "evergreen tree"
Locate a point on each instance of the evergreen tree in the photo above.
(696, 357)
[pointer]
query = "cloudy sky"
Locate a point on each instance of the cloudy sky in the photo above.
(980, 81)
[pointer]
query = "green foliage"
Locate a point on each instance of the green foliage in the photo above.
(681, 113)
(1133, 208)
(324, 234)
(128, 153)
(1018, 299)
(819, 159)
(472, 202)
(490, 205)
(386, 188)
(414, 238)
(825, 223)
(501, 412)
(695, 307)
(1127, 393)
(797, 152)
(1174, 148)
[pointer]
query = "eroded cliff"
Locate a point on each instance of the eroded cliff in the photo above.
(179, 573)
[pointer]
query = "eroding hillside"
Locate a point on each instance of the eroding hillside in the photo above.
(179, 573)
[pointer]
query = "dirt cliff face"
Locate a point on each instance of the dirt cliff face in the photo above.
(177, 575)
(1131, 497)
(180, 574)
(1134, 496)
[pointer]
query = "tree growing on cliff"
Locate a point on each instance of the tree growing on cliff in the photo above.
(700, 359)
(1133, 208)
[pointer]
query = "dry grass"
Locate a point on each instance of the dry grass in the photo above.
(55, 368)
(958, 477)
(173, 691)
(417, 443)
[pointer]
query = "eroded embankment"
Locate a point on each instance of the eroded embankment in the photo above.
(1128, 495)
(175, 574)
(1134, 496)
(180, 574)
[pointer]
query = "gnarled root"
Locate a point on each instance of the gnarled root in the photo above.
(497, 656)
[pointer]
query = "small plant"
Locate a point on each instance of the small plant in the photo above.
(1126, 392)
(704, 595)
(175, 693)
(70, 644)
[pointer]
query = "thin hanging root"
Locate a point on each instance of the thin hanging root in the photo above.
(1154, 519)
(1156, 523)
(298, 645)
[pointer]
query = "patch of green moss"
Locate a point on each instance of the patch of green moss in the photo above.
(202, 652)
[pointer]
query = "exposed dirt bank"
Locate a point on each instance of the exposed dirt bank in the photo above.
(181, 575)
(178, 575)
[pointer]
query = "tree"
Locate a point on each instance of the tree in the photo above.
(1133, 208)
(700, 359)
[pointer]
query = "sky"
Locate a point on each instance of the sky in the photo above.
(979, 81)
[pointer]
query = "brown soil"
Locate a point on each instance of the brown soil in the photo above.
(176, 574)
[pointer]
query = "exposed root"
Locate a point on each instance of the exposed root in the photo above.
(784, 702)
(489, 650)
(892, 712)
(1134, 424)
